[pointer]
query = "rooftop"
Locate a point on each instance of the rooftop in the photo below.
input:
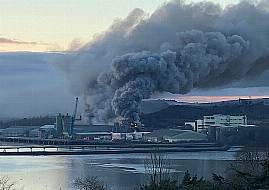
(92, 128)
(190, 135)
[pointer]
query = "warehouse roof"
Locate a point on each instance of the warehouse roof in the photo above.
(190, 135)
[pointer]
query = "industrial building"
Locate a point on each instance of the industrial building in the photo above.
(202, 125)
(219, 127)
(63, 125)
(224, 120)
(45, 131)
(18, 131)
(92, 132)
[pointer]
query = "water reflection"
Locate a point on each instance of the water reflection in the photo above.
(118, 171)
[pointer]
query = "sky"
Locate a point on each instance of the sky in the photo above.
(52, 25)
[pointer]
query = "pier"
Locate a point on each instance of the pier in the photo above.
(68, 148)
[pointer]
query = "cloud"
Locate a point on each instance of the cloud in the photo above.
(19, 42)
(31, 86)
(179, 47)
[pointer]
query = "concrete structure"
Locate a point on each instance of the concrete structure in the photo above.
(63, 125)
(199, 125)
(59, 125)
(67, 123)
(202, 125)
(224, 120)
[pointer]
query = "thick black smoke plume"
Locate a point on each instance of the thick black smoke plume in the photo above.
(179, 47)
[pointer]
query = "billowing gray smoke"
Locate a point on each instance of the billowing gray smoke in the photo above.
(179, 47)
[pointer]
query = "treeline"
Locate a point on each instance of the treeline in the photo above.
(33, 121)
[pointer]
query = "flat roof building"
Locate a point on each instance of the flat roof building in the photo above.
(224, 120)
(202, 125)
(17, 131)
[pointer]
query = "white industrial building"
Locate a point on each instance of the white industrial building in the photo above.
(218, 120)
(224, 120)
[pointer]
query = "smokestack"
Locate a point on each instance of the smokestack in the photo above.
(179, 47)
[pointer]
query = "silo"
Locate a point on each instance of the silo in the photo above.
(59, 124)
(67, 122)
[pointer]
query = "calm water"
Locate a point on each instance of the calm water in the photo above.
(118, 171)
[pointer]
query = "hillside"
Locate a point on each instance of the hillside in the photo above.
(178, 114)
(151, 106)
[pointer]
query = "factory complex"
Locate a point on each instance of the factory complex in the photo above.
(218, 128)
(210, 128)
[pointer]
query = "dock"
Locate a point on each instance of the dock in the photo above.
(107, 148)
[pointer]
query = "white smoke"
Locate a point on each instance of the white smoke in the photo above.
(179, 47)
